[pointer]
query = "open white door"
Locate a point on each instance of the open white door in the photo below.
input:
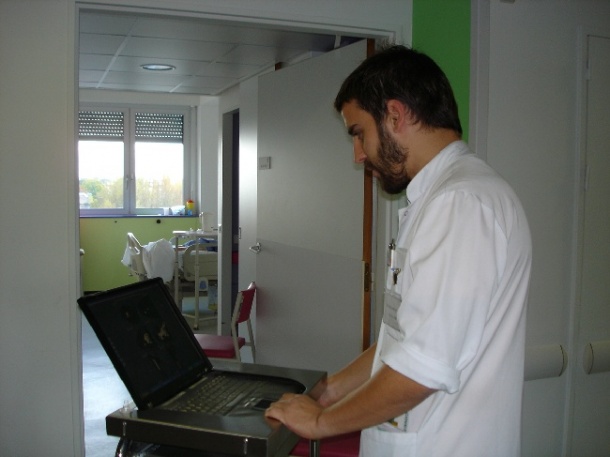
(310, 218)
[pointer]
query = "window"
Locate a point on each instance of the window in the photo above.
(132, 161)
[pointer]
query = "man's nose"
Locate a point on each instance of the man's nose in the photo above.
(359, 155)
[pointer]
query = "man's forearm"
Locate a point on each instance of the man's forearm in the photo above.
(349, 378)
(385, 396)
(344, 408)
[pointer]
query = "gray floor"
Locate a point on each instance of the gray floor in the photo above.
(103, 392)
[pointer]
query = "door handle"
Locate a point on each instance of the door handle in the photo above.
(256, 248)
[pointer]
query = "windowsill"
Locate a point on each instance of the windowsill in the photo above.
(139, 216)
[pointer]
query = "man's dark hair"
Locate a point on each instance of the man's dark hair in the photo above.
(403, 74)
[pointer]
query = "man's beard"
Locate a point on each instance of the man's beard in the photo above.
(390, 165)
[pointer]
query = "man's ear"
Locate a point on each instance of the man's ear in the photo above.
(398, 116)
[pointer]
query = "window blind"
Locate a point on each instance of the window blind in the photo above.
(159, 127)
(109, 125)
(100, 125)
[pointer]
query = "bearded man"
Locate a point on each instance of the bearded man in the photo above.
(445, 377)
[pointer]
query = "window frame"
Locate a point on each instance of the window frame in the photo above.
(189, 176)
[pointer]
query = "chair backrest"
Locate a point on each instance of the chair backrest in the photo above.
(208, 263)
(136, 255)
(243, 305)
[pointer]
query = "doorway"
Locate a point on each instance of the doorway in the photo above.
(229, 218)
(317, 34)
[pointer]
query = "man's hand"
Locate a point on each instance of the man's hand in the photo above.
(299, 413)
(387, 394)
(351, 400)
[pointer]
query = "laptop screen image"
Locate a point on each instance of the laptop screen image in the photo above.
(146, 341)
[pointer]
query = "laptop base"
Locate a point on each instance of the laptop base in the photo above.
(241, 435)
(128, 448)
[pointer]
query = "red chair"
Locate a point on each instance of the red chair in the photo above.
(347, 445)
(227, 347)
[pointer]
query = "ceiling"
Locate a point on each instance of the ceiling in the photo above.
(209, 56)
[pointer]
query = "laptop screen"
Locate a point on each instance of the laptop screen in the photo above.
(147, 339)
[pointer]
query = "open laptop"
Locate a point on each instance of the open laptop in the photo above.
(168, 375)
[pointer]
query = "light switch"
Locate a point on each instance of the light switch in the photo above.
(264, 163)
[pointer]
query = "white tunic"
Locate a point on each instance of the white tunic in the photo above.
(455, 319)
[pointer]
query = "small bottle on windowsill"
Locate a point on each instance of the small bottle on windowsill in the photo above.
(190, 206)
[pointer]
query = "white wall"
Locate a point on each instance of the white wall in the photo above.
(209, 125)
(340, 15)
(40, 393)
(532, 140)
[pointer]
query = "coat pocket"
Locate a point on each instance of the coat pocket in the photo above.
(376, 442)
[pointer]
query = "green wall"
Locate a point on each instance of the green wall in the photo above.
(104, 239)
(441, 29)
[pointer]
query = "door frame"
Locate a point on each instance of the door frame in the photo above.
(575, 348)
(197, 10)
(367, 244)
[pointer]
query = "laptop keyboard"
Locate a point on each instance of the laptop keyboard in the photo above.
(216, 395)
